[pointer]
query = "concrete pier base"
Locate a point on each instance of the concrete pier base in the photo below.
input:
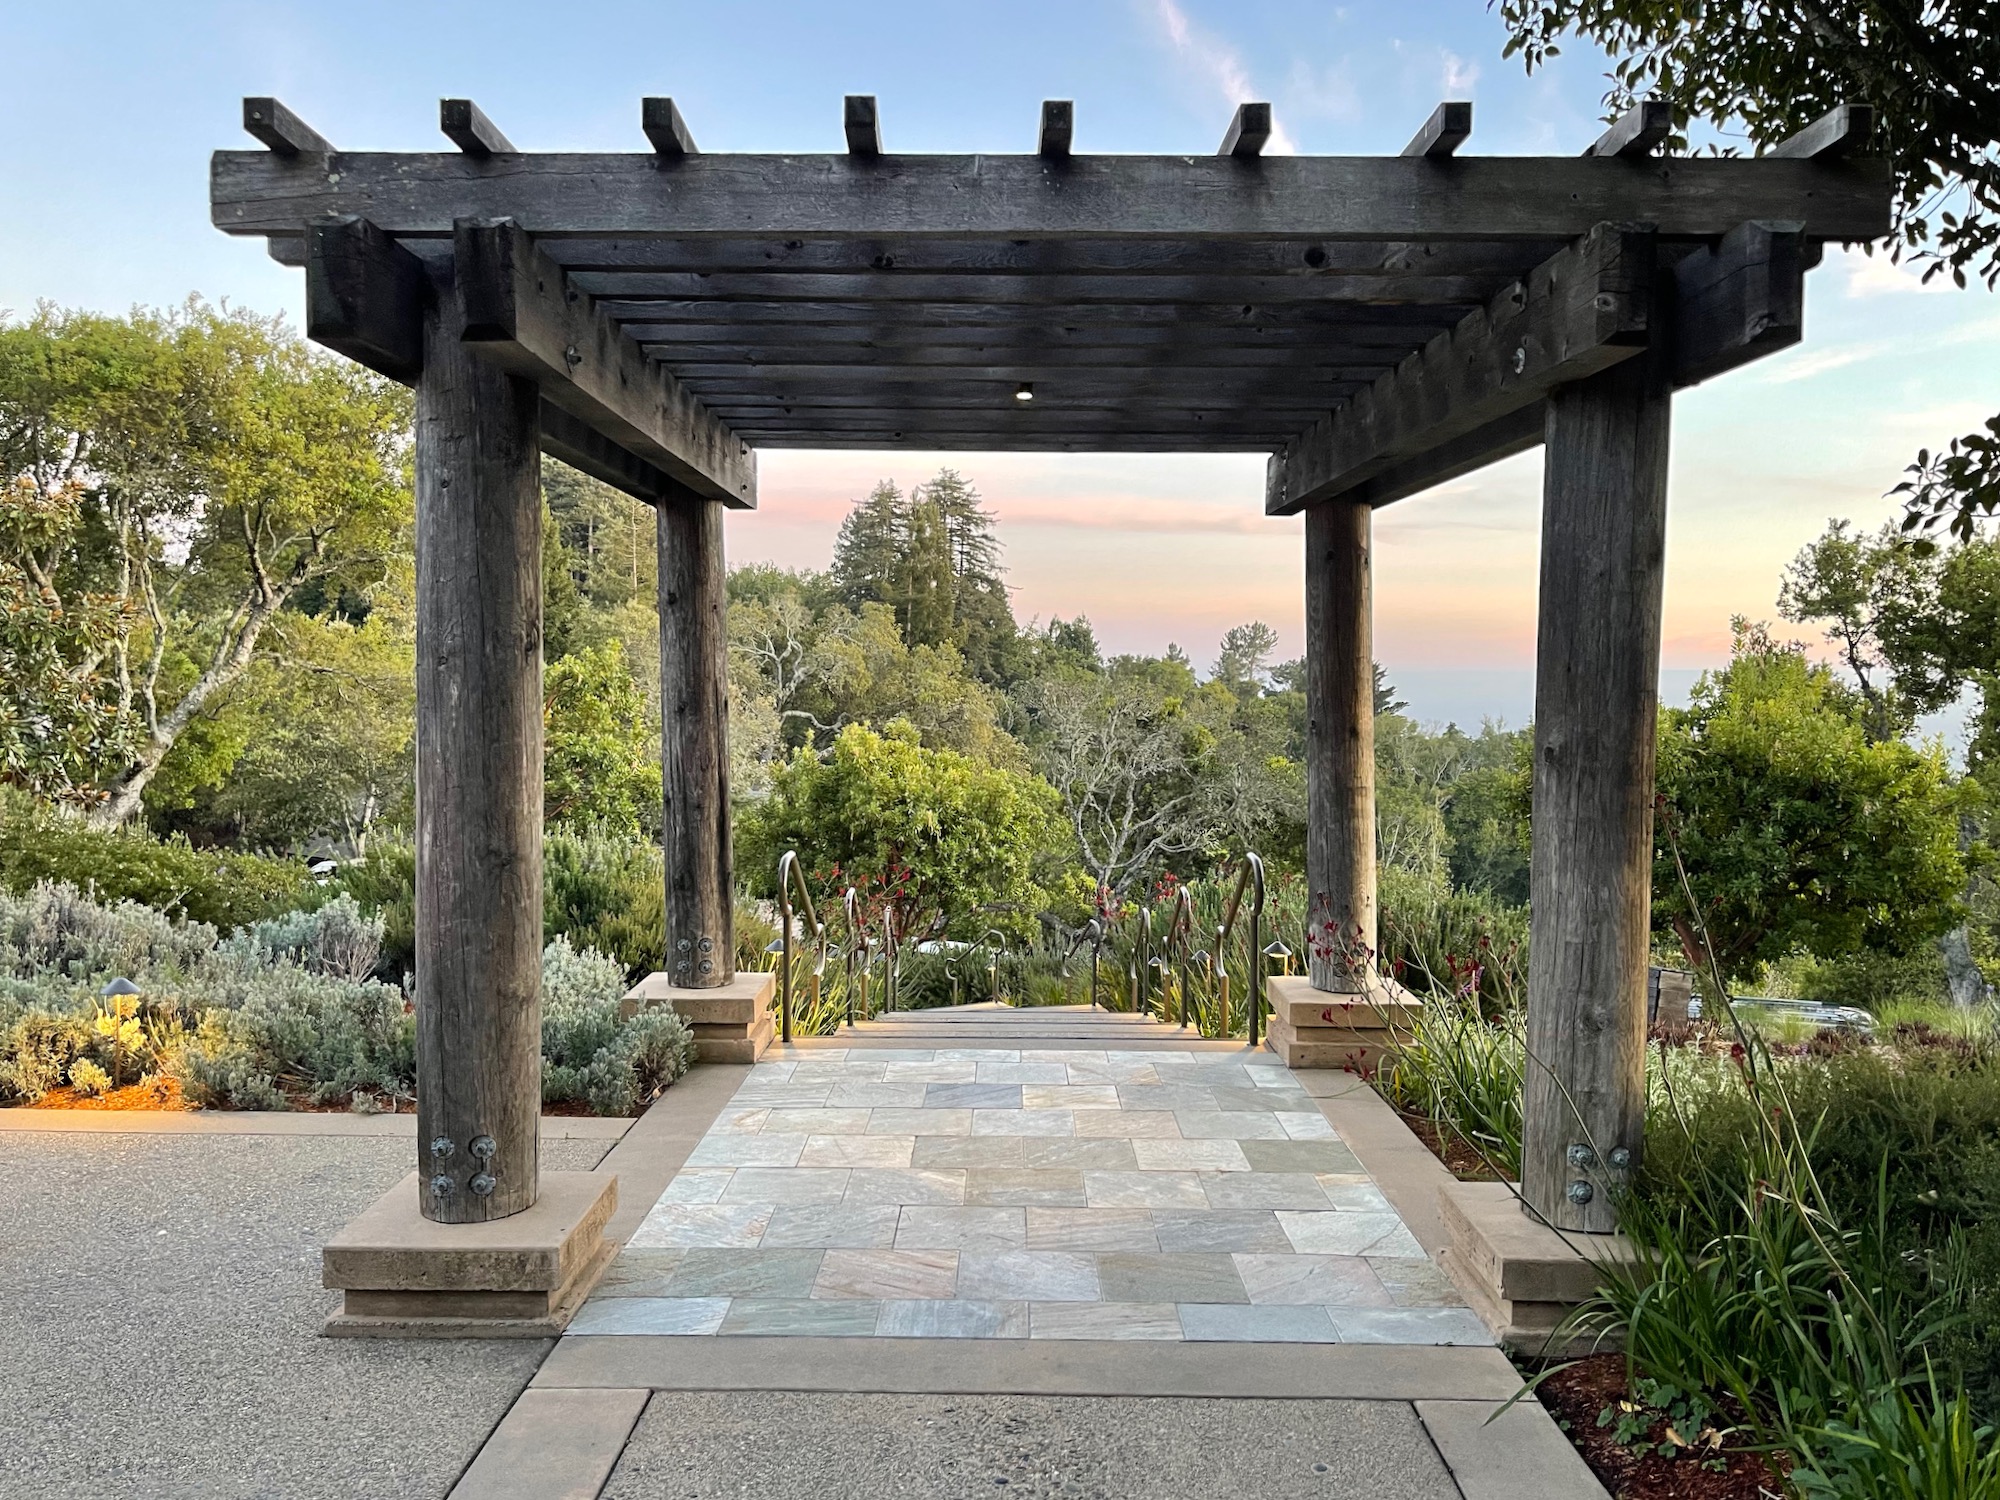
(404, 1276)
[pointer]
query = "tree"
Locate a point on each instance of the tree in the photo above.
(1771, 67)
(1853, 585)
(1243, 656)
(1150, 778)
(60, 718)
(869, 548)
(600, 767)
(225, 466)
(948, 843)
(1796, 830)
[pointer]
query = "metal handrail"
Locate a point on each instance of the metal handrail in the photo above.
(857, 942)
(892, 956)
(1250, 876)
(1180, 925)
(790, 874)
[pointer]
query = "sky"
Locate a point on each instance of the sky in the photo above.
(112, 109)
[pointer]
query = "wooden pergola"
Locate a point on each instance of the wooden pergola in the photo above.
(1376, 324)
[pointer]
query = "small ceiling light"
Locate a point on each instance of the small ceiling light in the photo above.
(1026, 391)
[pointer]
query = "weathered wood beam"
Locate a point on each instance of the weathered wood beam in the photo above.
(581, 446)
(1637, 132)
(1581, 311)
(1516, 432)
(1739, 301)
(628, 287)
(946, 342)
(520, 314)
(1058, 128)
(1597, 663)
(365, 297)
(702, 362)
(1444, 132)
(1734, 303)
(863, 125)
(287, 249)
(664, 127)
(284, 132)
(1097, 198)
(465, 125)
(922, 318)
(1249, 132)
(1340, 747)
(1844, 130)
(886, 258)
(694, 744)
(479, 781)
(931, 442)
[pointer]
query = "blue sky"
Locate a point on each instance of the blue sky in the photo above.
(112, 109)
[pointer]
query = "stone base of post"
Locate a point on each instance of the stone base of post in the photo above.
(1354, 1030)
(1523, 1278)
(732, 1023)
(402, 1275)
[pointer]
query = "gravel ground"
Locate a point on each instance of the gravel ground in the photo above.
(160, 1308)
(776, 1446)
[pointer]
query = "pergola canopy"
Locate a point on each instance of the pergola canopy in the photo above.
(1377, 323)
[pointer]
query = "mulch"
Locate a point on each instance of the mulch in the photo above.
(1578, 1393)
(1466, 1164)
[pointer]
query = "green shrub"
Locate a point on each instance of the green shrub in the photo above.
(1823, 1238)
(600, 890)
(282, 1010)
(222, 889)
(589, 1055)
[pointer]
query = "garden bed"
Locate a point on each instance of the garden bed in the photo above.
(1589, 1396)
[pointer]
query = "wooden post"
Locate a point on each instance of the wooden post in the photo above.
(1340, 747)
(1596, 701)
(479, 779)
(694, 743)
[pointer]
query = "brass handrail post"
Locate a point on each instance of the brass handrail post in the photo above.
(791, 874)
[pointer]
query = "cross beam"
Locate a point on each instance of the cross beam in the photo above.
(1224, 198)
(1475, 394)
(606, 408)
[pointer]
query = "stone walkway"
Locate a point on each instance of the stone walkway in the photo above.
(1175, 1193)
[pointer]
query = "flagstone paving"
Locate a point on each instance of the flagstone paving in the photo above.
(989, 1193)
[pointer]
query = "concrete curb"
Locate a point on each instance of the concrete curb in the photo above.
(1518, 1455)
(271, 1122)
(554, 1445)
(1022, 1367)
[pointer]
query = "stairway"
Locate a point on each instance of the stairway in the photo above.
(989, 1024)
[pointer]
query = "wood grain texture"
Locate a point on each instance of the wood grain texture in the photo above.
(522, 316)
(465, 125)
(365, 297)
(1636, 133)
(1340, 745)
(862, 125)
(1448, 128)
(1320, 198)
(890, 256)
(1058, 129)
(1739, 301)
(1597, 662)
(479, 775)
(1249, 132)
(661, 119)
(281, 130)
(1582, 310)
(694, 743)
(1844, 130)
